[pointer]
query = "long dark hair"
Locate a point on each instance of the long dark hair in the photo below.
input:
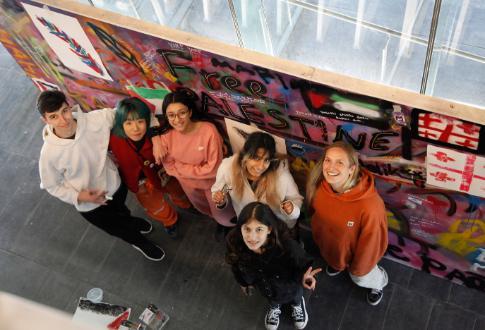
(237, 250)
(266, 185)
(188, 98)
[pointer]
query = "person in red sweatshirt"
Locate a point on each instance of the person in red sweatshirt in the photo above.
(349, 222)
(133, 152)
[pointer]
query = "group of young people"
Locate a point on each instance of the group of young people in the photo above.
(251, 195)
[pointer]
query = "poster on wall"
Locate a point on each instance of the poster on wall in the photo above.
(67, 39)
(448, 131)
(451, 169)
(238, 133)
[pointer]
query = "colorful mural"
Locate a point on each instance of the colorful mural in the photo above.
(434, 229)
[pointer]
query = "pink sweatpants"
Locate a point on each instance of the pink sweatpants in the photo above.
(202, 200)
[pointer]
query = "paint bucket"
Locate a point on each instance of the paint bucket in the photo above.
(95, 295)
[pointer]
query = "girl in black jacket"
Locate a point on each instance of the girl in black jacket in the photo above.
(261, 253)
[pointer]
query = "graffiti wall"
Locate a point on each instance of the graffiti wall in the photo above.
(437, 230)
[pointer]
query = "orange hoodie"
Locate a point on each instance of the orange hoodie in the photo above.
(350, 228)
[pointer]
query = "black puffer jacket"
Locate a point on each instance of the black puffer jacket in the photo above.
(276, 273)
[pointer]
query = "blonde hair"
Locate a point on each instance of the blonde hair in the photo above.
(315, 177)
(266, 184)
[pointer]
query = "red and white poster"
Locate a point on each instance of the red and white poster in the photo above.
(450, 130)
(455, 170)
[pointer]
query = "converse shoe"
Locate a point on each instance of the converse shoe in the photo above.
(172, 231)
(146, 227)
(272, 319)
(150, 251)
(331, 272)
(299, 314)
(374, 296)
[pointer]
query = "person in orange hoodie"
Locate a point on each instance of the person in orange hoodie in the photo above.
(349, 222)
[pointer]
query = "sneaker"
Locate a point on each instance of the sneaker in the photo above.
(299, 314)
(272, 319)
(374, 296)
(150, 251)
(172, 231)
(332, 272)
(146, 227)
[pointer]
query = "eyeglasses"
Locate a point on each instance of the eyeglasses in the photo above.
(180, 115)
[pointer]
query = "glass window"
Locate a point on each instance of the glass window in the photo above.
(381, 41)
(457, 68)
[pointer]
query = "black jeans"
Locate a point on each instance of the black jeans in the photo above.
(115, 219)
(294, 301)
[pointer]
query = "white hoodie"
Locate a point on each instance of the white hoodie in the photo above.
(67, 166)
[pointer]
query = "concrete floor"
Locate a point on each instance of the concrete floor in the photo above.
(49, 254)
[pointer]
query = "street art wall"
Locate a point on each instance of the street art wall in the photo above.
(438, 228)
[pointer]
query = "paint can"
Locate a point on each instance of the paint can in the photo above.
(95, 295)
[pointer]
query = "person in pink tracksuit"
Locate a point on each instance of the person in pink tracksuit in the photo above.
(191, 149)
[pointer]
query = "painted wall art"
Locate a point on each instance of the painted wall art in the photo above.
(433, 226)
(67, 39)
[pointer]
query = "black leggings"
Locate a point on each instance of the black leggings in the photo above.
(115, 219)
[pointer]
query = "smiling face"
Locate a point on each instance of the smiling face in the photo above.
(255, 234)
(61, 121)
(135, 128)
(336, 168)
(258, 165)
(178, 116)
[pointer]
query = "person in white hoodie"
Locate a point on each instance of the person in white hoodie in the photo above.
(257, 174)
(74, 166)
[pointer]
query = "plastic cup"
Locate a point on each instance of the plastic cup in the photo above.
(95, 295)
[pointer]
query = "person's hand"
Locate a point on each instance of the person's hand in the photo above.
(219, 198)
(287, 206)
(92, 196)
(159, 152)
(309, 280)
(247, 290)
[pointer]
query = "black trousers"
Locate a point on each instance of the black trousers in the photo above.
(293, 301)
(115, 219)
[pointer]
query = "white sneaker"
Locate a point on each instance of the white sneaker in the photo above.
(299, 314)
(272, 319)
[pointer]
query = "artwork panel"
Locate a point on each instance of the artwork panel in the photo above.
(67, 39)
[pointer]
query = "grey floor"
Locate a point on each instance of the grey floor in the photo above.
(49, 254)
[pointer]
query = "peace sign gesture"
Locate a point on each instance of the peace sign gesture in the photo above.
(309, 280)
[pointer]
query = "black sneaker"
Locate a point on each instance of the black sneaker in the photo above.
(332, 272)
(172, 231)
(374, 296)
(272, 319)
(146, 227)
(299, 314)
(150, 251)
